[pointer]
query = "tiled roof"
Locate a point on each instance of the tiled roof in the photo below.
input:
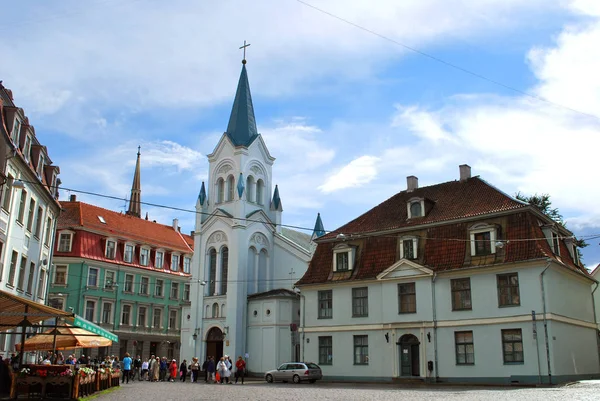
(447, 201)
(122, 226)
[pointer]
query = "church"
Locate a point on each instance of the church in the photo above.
(245, 263)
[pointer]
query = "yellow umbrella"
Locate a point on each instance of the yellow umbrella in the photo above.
(67, 338)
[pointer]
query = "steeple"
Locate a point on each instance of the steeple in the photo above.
(242, 124)
(202, 195)
(319, 230)
(135, 208)
(276, 202)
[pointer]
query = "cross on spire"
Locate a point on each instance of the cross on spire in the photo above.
(244, 47)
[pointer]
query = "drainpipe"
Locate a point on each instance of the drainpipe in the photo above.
(297, 291)
(549, 261)
(80, 291)
(596, 321)
(435, 348)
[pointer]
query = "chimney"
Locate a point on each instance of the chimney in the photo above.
(465, 172)
(412, 183)
(73, 198)
(192, 233)
(175, 224)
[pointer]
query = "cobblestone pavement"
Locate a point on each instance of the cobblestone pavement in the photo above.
(256, 390)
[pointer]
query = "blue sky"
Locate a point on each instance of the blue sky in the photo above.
(347, 114)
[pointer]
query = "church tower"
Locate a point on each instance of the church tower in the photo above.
(243, 258)
(135, 206)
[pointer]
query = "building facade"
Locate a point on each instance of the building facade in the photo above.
(129, 275)
(245, 263)
(29, 208)
(455, 282)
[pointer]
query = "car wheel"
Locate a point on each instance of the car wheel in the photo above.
(296, 379)
(269, 379)
(312, 381)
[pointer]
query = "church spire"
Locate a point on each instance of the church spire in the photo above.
(242, 124)
(135, 207)
(276, 202)
(319, 230)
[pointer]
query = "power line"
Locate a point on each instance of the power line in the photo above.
(447, 63)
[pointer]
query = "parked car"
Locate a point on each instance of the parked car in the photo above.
(296, 372)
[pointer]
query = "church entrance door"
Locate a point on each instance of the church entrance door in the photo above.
(214, 343)
(409, 355)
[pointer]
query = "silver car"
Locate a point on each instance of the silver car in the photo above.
(295, 372)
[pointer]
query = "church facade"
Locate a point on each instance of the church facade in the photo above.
(245, 263)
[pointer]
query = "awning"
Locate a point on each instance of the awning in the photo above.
(14, 309)
(93, 328)
(68, 337)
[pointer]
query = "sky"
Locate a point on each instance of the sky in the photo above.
(351, 98)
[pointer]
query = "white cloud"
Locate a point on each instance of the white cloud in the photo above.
(358, 172)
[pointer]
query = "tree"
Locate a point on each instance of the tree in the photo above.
(544, 204)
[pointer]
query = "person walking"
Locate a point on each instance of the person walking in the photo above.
(195, 367)
(156, 369)
(173, 370)
(222, 369)
(164, 366)
(126, 367)
(228, 371)
(137, 368)
(145, 367)
(240, 367)
(183, 370)
(210, 370)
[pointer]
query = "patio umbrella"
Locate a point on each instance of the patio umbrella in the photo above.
(68, 337)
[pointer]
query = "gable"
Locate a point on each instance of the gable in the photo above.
(404, 268)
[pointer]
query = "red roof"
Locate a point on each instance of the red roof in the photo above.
(444, 245)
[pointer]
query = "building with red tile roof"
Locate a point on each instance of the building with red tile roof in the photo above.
(450, 282)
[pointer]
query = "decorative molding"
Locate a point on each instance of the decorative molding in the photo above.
(256, 170)
(259, 239)
(217, 236)
(224, 169)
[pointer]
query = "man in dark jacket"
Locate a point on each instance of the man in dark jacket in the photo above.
(163, 369)
(137, 368)
(205, 368)
(211, 369)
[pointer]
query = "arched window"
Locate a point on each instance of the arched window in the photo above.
(230, 188)
(415, 209)
(250, 189)
(212, 272)
(262, 271)
(250, 272)
(260, 185)
(215, 310)
(223, 310)
(207, 312)
(220, 190)
(224, 262)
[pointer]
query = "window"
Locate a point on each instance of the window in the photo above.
(220, 190)
(174, 290)
(230, 188)
(41, 294)
(483, 240)
(90, 308)
(128, 283)
(360, 302)
(361, 350)
(416, 209)
(16, 131)
(13, 268)
(64, 242)
(325, 304)
(325, 351)
(109, 279)
(555, 243)
(250, 189)
(461, 293)
(157, 318)
(60, 275)
(186, 292)
(187, 262)
(144, 284)
(215, 310)
(58, 303)
(7, 193)
(128, 255)
(40, 166)
(408, 248)
(144, 256)
(508, 289)
(158, 288)
(38, 222)
(260, 185)
(174, 262)
(407, 298)
(126, 315)
(22, 268)
(172, 319)
(92, 277)
(31, 214)
(141, 316)
(342, 261)
(575, 253)
(483, 245)
(111, 247)
(107, 313)
(212, 271)
(30, 278)
(224, 265)
(48, 231)
(512, 346)
(343, 258)
(158, 260)
(27, 148)
(22, 203)
(465, 352)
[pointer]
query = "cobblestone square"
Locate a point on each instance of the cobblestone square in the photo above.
(256, 390)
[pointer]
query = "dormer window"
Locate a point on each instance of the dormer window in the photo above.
(415, 208)
(15, 134)
(343, 258)
(175, 262)
(128, 255)
(571, 244)
(65, 241)
(408, 248)
(144, 256)
(158, 259)
(555, 243)
(553, 238)
(40, 166)
(483, 240)
(111, 249)
(27, 148)
(187, 263)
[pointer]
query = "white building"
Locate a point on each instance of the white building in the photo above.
(453, 282)
(245, 263)
(29, 208)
